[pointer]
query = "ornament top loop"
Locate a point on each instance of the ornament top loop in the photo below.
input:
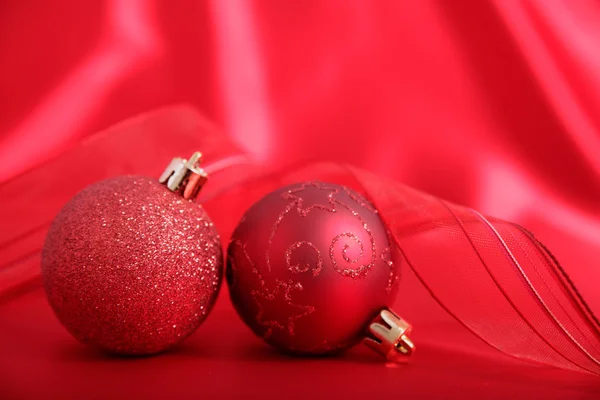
(390, 341)
(185, 176)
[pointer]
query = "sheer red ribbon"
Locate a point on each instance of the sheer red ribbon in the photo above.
(485, 269)
(493, 276)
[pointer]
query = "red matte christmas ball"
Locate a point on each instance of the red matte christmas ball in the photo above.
(310, 266)
(130, 266)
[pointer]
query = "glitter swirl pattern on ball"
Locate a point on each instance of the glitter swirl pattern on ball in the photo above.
(130, 267)
(310, 265)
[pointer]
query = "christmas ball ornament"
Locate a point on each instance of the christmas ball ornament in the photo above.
(132, 265)
(311, 269)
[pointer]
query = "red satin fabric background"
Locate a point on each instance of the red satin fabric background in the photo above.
(489, 104)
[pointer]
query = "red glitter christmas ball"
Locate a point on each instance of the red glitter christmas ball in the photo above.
(309, 266)
(130, 266)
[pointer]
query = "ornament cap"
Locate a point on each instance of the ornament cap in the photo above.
(390, 339)
(185, 176)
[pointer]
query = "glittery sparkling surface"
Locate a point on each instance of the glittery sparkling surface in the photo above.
(309, 266)
(131, 267)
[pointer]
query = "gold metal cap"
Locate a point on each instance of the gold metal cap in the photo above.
(390, 340)
(185, 176)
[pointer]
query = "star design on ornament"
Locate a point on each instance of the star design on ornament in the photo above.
(237, 245)
(234, 247)
(325, 202)
(276, 309)
(360, 200)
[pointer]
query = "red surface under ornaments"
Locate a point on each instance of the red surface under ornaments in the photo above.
(492, 105)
